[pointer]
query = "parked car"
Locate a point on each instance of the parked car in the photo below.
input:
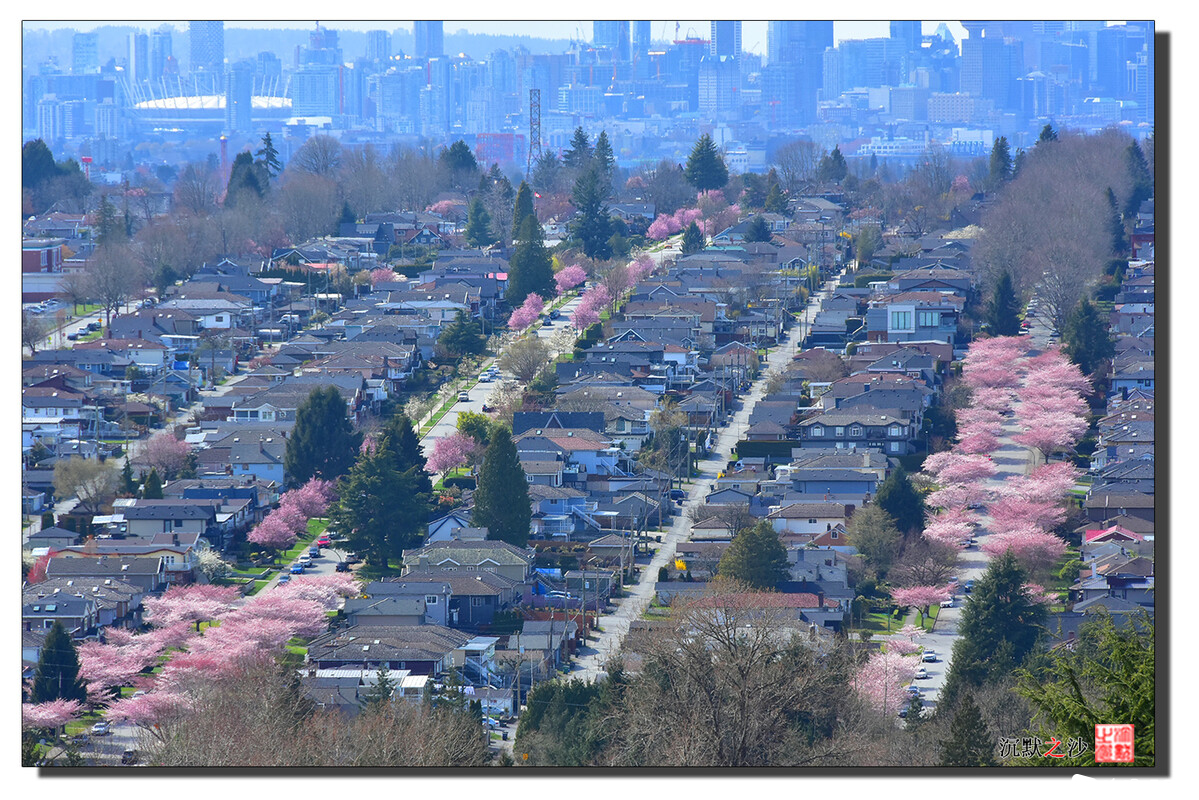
(968, 587)
(129, 757)
(314, 552)
(929, 656)
(342, 566)
(101, 729)
(73, 336)
(555, 314)
(352, 558)
(324, 541)
(913, 690)
(305, 560)
(486, 378)
(678, 494)
(94, 325)
(297, 569)
(947, 603)
(921, 673)
(463, 397)
(285, 579)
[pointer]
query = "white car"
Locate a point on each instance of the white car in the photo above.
(921, 673)
(463, 397)
(947, 603)
(929, 656)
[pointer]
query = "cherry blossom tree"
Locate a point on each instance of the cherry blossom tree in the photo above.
(148, 711)
(594, 300)
(1048, 483)
(641, 268)
(273, 532)
(902, 646)
(166, 453)
(451, 452)
(50, 715)
(921, 597)
(662, 228)
(1050, 433)
(882, 678)
(946, 529)
(1036, 551)
(1013, 513)
(528, 312)
(310, 500)
(446, 209)
(195, 603)
(977, 442)
(328, 590)
(107, 666)
(569, 278)
(1036, 593)
(383, 275)
(958, 496)
(950, 467)
(996, 399)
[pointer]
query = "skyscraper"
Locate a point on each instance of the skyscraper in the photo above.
(207, 46)
(726, 39)
(613, 35)
(641, 36)
(239, 86)
(795, 68)
(430, 41)
(378, 46)
(85, 53)
(160, 51)
(908, 32)
(139, 57)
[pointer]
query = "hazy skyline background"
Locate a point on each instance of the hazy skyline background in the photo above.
(753, 35)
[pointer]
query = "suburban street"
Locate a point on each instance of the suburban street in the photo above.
(614, 626)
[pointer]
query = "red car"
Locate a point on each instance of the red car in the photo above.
(323, 542)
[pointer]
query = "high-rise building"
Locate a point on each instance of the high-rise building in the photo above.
(378, 46)
(107, 120)
(269, 65)
(138, 68)
(322, 48)
(239, 89)
(990, 67)
(429, 38)
(160, 51)
(85, 53)
(49, 118)
(908, 32)
(794, 74)
(718, 86)
(613, 35)
(316, 90)
(641, 36)
(725, 39)
(207, 40)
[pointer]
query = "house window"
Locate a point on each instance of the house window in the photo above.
(895, 447)
(834, 534)
(840, 431)
(817, 430)
(896, 430)
(811, 522)
(178, 523)
(929, 319)
(529, 478)
(476, 602)
(901, 320)
(430, 599)
(855, 431)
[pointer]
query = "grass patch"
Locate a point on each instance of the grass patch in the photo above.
(877, 622)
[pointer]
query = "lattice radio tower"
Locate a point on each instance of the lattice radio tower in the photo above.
(534, 130)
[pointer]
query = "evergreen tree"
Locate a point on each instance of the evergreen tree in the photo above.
(323, 443)
(380, 693)
(152, 488)
(502, 493)
(693, 240)
(1003, 310)
(753, 195)
(873, 164)
(970, 743)
(1018, 161)
(348, 217)
(463, 336)
(56, 676)
(776, 201)
(246, 177)
(478, 225)
(578, 157)
(1142, 181)
(1115, 225)
(37, 164)
(268, 156)
(758, 230)
(1048, 134)
(705, 166)
(108, 227)
(547, 172)
(128, 484)
(901, 501)
(593, 227)
(523, 208)
(460, 164)
(1001, 162)
(756, 558)
(999, 627)
(1086, 339)
(380, 510)
(873, 532)
(531, 268)
(604, 160)
(832, 167)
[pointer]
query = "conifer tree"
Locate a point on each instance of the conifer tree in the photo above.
(152, 488)
(899, 498)
(593, 228)
(502, 493)
(323, 442)
(705, 168)
(531, 268)
(268, 156)
(1001, 162)
(1086, 339)
(1003, 310)
(758, 230)
(56, 676)
(970, 743)
(693, 240)
(478, 225)
(522, 208)
(756, 558)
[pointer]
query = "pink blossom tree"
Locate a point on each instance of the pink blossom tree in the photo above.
(383, 275)
(950, 467)
(1037, 594)
(528, 312)
(921, 597)
(451, 452)
(662, 228)
(446, 209)
(194, 604)
(1036, 551)
(150, 710)
(312, 499)
(902, 646)
(977, 442)
(273, 532)
(107, 666)
(1013, 513)
(594, 300)
(997, 399)
(1049, 433)
(958, 496)
(641, 268)
(881, 680)
(50, 715)
(328, 590)
(166, 453)
(569, 277)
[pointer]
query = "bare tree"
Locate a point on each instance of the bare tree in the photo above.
(363, 179)
(310, 206)
(113, 278)
(797, 162)
(731, 517)
(196, 190)
(524, 358)
(75, 287)
(33, 330)
(413, 178)
(87, 479)
(320, 155)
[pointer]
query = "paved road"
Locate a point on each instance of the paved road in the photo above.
(614, 625)
(57, 336)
